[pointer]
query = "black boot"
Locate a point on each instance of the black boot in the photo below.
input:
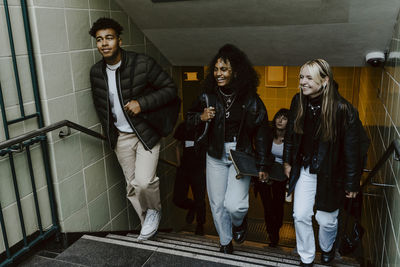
(239, 232)
(306, 264)
(273, 238)
(227, 249)
(190, 215)
(199, 229)
(327, 257)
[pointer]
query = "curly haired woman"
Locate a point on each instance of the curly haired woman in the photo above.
(237, 119)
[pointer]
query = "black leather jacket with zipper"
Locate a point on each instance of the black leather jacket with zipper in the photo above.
(254, 135)
(336, 163)
(138, 78)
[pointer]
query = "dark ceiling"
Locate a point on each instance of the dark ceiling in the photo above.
(271, 32)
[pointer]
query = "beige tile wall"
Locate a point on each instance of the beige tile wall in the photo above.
(89, 184)
(380, 109)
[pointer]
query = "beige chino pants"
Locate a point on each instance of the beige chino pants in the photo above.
(139, 167)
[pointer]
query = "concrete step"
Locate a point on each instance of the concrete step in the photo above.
(41, 261)
(200, 249)
(255, 250)
(167, 249)
(288, 252)
(100, 251)
(246, 246)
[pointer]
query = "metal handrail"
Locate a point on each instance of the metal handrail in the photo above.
(35, 133)
(393, 147)
(18, 143)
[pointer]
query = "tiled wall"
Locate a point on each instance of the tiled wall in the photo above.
(8, 84)
(276, 98)
(380, 109)
(89, 184)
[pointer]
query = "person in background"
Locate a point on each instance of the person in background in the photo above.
(236, 118)
(321, 157)
(190, 173)
(272, 192)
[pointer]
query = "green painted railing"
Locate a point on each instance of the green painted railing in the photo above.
(27, 242)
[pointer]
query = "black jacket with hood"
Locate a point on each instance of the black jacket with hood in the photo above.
(138, 78)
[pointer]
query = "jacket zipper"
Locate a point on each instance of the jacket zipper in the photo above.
(241, 121)
(108, 109)
(123, 110)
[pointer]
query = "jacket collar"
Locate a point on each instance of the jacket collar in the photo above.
(123, 60)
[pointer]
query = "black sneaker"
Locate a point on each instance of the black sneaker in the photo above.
(327, 257)
(273, 238)
(199, 229)
(306, 264)
(190, 216)
(227, 249)
(239, 232)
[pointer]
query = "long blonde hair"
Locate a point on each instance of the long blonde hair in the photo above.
(319, 71)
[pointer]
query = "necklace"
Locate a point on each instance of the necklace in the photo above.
(314, 109)
(228, 100)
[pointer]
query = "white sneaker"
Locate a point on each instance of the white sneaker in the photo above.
(150, 224)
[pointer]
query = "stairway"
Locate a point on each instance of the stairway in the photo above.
(169, 249)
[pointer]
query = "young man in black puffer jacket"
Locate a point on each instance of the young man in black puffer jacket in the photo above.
(128, 89)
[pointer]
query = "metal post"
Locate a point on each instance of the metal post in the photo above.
(3, 230)
(35, 86)
(35, 197)
(14, 58)
(3, 113)
(18, 199)
(49, 184)
(31, 61)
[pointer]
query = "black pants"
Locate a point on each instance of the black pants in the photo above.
(191, 174)
(273, 198)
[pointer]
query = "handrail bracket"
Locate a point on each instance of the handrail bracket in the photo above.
(63, 134)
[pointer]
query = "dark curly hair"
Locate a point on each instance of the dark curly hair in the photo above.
(106, 23)
(244, 78)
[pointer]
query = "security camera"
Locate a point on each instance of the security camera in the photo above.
(375, 58)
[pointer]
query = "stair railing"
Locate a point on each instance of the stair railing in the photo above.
(393, 147)
(17, 145)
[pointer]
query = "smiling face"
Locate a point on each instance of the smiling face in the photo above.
(309, 83)
(108, 44)
(222, 72)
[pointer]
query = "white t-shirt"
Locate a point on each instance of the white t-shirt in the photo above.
(277, 151)
(116, 108)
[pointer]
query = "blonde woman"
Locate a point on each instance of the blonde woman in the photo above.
(321, 158)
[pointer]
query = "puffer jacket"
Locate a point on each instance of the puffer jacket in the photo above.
(254, 136)
(138, 78)
(337, 163)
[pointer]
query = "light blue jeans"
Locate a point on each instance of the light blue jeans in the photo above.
(228, 196)
(304, 199)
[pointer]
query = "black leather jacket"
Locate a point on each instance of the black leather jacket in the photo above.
(254, 136)
(139, 77)
(336, 163)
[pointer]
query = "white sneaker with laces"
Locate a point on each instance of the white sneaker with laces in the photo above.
(150, 224)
